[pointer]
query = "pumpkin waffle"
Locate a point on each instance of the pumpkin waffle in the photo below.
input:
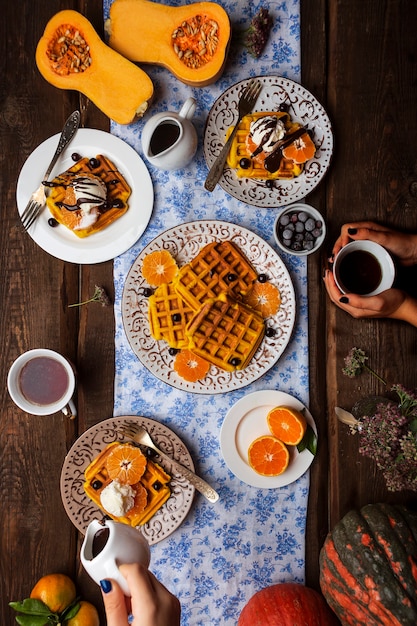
(155, 480)
(226, 333)
(239, 150)
(114, 206)
(220, 267)
(168, 316)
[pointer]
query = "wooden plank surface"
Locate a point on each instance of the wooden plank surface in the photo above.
(359, 60)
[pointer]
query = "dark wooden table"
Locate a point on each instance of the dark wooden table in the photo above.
(359, 58)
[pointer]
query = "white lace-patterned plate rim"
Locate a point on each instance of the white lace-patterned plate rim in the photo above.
(118, 237)
(303, 108)
(244, 422)
(184, 242)
(81, 510)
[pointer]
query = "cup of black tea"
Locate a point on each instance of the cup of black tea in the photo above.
(364, 268)
(42, 382)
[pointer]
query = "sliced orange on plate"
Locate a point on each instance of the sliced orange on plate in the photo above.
(126, 464)
(159, 267)
(288, 424)
(268, 456)
(300, 150)
(264, 298)
(190, 366)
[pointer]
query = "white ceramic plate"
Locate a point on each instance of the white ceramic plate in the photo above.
(104, 245)
(303, 108)
(184, 243)
(81, 510)
(244, 422)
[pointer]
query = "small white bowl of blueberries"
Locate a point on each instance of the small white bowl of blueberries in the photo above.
(299, 229)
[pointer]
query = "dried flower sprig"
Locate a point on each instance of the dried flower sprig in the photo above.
(389, 437)
(257, 34)
(100, 295)
(355, 363)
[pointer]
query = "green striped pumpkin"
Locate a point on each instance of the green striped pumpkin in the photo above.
(368, 567)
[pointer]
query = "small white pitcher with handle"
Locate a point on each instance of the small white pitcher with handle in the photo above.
(169, 140)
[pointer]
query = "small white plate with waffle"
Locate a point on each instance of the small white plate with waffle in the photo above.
(184, 242)
(118, 237)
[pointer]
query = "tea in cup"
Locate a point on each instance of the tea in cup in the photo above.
(364, 268)
(169, 140)
(42, 382)
(109, 544)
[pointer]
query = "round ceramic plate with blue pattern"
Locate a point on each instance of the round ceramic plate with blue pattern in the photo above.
(303, 108)
(184, 242)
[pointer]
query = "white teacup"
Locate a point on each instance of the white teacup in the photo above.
(363, 267)
(169, 140)
(109, 544)
(42, 382)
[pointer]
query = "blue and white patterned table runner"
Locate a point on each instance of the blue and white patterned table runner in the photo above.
(223, 553)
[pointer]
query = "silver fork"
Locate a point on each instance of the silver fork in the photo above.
(140, 435)
(38, 199)
(245, 105)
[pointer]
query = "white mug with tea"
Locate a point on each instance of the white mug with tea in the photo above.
(42, 382)
(109, 544)
(363, 267)
(169, 140)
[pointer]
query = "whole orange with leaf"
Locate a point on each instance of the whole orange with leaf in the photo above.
(57, 591)
(87, 616)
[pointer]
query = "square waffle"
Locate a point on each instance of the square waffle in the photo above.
(226, 333)
(155, 480)
(238, 150)
(220, 267)
(118, 192)
(168, 316)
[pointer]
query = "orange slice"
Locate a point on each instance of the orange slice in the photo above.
(159, 267)
(287, 424)
(264, 298)
(268, 456)
(126, 464)
(190, 366)
(141, 499)
(301, 149)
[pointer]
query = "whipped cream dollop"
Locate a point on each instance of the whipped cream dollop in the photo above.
(117, 499)
(266, 132)
(89, 194)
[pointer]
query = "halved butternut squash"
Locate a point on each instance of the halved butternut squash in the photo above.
(71, 55)
(191, 41)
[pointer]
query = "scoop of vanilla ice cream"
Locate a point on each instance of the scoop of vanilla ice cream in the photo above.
(117, 499)
(90, 194)
(266, 132)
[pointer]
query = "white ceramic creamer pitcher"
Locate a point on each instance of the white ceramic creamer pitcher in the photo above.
(109, 544)
(169, 140)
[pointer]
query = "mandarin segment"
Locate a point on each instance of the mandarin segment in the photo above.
(159, 267)
(287, 424)
(190, 366)
(264, 298)
(126, 464)
(301, 149)
(268, 456)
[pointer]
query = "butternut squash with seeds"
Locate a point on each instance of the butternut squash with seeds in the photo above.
(71, 55)
(190, 41)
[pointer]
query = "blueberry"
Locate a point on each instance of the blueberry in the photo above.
(176, 317)
(157, 485)
(284, 220)
(270, 332)
(231, 277)
(173, 351)
(235, 362)
(296, 246)
(308, 245)
(299, 227)
(302, 216)
(294, 218)
(75, 156)
(94, 163)
(97, 484)
(316, 232)
(262, 278)
(147, 292)
(117, 204)
(52, 222)
(310, 224)
(245, 163)
(287, 234)
(269, 183)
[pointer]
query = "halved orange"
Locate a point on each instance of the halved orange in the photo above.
(159, 267)
(287, 424)
(126, 464)
(190, 366)
(301, 149)
(264, 298)
(268, 456)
